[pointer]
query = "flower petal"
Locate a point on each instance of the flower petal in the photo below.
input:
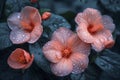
(30, 62)
(83, 33)
(19, 36)
(62, 34)
(103, 39)
(29, 13)
(14, 21)
(52, 51)
(52, 55)
(79, 61)
(108, 23)
(52, 45)
(63, 68)
(92, 16)
(78, 45)
(35, 34)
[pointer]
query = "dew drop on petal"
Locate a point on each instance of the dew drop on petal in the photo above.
(18, 37)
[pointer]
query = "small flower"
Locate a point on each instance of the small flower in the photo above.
(95, 29)
(20, 59)
(66, 52)
(46, 15)
(26, 26)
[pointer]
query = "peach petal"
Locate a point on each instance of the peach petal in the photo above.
(97, 45)
(15, 65)
(108, 23)
(53, 55)
(77, 45)
(83, 33)
(46, 15)
(90, 15)
(29, 63)
(19, 36)
(62, 68)
(28, 13)
(35, 34)
(52, 45)
(79, 61)
(14, 21)
(62, 34)
(101, 38)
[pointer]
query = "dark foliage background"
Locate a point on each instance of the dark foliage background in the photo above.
(102, 66)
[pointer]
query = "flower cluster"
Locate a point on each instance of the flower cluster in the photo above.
(67, 51)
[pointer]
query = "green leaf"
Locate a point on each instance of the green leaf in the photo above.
(39, 58)
(53, 23)
(110, 63)
(42, 10)
(4, 36)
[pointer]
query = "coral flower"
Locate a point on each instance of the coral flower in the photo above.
(20, 59)
(66, 52)
(26, 26)
(95, 29)
(46, 15)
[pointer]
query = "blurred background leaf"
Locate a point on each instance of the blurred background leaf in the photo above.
(53, 23)
(109, 62)
(4, 36)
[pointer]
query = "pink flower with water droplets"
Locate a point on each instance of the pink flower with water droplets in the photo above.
(25, 25)
(20, 59)
(95, 29)
(66, 52)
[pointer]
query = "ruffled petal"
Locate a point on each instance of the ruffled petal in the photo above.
(53, 55)
(28, 13)
(79, 61)
(19, 37)
(62, 34)
(108, 23)
(14, 21)
(15, 65)
(30, 62)
(83, 33)
(77, 45)
(54, 45)
(63, 68)
(92, 16)
(35, 34)
(103, 39)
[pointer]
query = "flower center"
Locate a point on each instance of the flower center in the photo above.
(66, 52)
(21, 59)
(94, 28)
(27, 27)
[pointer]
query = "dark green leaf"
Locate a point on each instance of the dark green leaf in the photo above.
(42, 10)
(39, 58)
(4, 36)
(110, 63)
(53, 23)
(75, 76)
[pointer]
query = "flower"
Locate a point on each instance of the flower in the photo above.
(26, 26)
(95, 29)
(46, 15)
(20, 59)
(66, 52)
